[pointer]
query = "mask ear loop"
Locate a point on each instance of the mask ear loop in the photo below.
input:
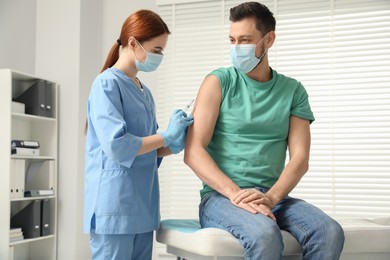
(262, 56)
(147, 53)
(142, 49)
(262, 39)
(141, 46)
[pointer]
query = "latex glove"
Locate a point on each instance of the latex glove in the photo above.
(178, 124)
(178, 145)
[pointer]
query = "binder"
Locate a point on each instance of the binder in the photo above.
(45, 217)
(36, 193)
(12, 180)
(11, 253)
(37, 99)
(25, 151)
(29, 219)
(48, 99)
(25, 144)
(19, 178)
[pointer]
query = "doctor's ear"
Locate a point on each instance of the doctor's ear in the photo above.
(132, 42)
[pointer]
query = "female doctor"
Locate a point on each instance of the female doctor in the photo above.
(121, 183)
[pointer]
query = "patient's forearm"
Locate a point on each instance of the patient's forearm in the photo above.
(199, 160)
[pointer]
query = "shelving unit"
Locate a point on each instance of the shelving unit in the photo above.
(22, 126)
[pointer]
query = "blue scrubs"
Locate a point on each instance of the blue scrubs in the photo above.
(121, 188)
(108, 247)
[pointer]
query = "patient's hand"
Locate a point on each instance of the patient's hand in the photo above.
(251, 200)
(253, 196)
(263, 209)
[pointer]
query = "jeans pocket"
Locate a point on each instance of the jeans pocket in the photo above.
(205, 199)
(203, 202)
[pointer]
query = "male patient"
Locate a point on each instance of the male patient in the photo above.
(246, 116)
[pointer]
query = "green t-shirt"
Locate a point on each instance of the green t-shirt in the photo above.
(250, 137)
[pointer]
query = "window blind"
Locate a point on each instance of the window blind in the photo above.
(340, 51)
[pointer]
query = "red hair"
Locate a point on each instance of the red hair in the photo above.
(142, 25)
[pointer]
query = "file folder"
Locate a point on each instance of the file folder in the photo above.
(25, 151)
(11, 253)
(25, 144)
(48, 99)
(29, 219)
(12, 180)
(37, 99)
(36, 193)
(19, 177)
(45, 217)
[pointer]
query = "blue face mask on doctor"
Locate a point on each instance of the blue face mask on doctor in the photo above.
(151, 62)
(243, 56)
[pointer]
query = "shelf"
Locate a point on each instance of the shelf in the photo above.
(38, 158)
(32, 118)
(23, 172)
(29, 240)
(33, 198)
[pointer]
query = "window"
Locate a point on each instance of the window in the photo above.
(340, 51)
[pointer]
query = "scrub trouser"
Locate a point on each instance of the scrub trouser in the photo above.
(121, 247)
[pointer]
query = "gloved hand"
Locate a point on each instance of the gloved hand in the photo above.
(178, 124)
(178, 145)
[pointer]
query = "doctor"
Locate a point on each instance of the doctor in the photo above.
(122, 148)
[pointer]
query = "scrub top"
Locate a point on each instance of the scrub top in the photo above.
(121, 189)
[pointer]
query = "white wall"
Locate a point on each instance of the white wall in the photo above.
(62, 56)
(17, 35)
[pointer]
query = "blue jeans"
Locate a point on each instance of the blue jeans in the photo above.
(321, 237)
(120, 247)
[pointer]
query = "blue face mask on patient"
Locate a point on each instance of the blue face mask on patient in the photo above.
(243, 56)
(151, 62)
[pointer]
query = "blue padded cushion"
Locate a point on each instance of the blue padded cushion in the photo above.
(181, 225)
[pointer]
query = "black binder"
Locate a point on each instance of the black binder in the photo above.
(48, 98)
(24, 143)
(37, 99)
(45, 217)
(29, 219)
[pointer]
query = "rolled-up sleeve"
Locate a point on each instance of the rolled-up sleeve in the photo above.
(105, 112)
(301, 106)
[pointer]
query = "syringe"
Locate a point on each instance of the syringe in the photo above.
(188, 108)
